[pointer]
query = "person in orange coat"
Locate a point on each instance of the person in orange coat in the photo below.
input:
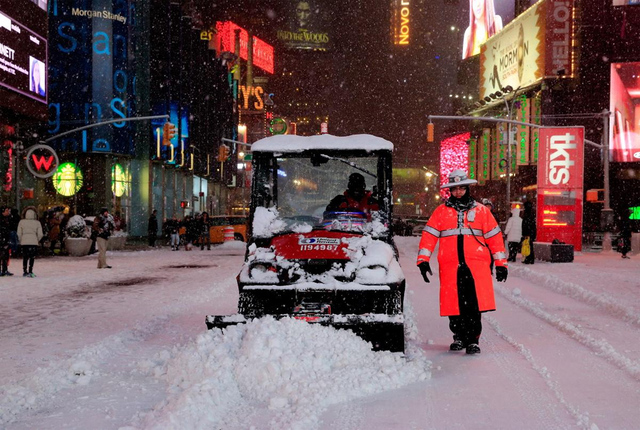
(469, 235)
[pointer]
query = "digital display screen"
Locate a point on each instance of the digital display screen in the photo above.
(23, 59)
(624, 135)
(564, 198)
(484, 19)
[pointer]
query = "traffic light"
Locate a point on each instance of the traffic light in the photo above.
(223, 153)
(169, 131)
(430, 132)
(184, 204)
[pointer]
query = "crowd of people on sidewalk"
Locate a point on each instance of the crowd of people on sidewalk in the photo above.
(186, 232)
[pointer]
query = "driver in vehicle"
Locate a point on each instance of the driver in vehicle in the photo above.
(355, 199)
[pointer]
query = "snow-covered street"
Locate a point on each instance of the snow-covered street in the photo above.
(128, 348)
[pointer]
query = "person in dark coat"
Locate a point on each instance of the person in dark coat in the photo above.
(529, 230)
(14, 219)
(204, 226)
(152, 228)
(5, 240)
(625, 237)
(355, 198)
(103, 226)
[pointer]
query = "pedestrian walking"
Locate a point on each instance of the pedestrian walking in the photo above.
(624, 239)
(14, 219)
(204, 226)
(29, 234)
(103, 226)
(529, 231)
(469, 235)
(173, 230)
(54, 230)
(152, 228)
(513, 230)
(5, 240)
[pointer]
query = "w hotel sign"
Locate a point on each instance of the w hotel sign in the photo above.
(536, 45)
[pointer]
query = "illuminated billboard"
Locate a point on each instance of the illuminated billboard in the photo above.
(23, 59)
(306, 27)
(401, 22)
(560, 185)
(624, 138)
(486, 18)
(263, 53)
(454, 154)
(536, 45)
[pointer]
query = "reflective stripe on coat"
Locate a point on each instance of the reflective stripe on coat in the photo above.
(482, 238)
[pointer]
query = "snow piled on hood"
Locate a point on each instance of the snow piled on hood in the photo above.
(266, 222)
(295, 369)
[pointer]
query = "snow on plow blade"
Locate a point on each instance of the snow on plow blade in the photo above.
(385, 332)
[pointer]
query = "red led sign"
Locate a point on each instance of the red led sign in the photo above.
(263, 53)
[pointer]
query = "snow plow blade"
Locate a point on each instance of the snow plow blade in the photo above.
(385, 332)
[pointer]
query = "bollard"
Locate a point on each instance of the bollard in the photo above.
(228, 233)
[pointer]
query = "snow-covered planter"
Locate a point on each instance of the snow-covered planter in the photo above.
(77, 227)
(77, 246)
(117, 241)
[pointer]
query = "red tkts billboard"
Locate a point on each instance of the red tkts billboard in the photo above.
(560, 185)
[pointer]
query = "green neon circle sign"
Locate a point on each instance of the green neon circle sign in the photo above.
(277, 126)
(119, 180)
(68, 179)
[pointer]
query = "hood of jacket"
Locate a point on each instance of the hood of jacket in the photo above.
(29, 213)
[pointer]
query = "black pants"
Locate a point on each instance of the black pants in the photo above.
(153, 236)
(531, 258)
(28, 257)
(205, 238)
(4, 258)
(514, 248)
(466, 328)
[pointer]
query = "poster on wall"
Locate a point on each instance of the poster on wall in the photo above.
(625, 95)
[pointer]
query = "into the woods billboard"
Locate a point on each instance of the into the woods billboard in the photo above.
(91, 74)
(305, 26)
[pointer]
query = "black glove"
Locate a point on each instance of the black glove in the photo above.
(424, 269)
(501, 273)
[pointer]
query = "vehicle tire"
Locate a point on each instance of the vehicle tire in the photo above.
(238, 236)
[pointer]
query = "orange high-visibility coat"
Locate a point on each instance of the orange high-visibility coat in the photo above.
(482, 238)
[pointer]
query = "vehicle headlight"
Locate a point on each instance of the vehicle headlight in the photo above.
(372, 274)
(263, 272)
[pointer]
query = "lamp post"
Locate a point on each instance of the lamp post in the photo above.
(509, 143)
(19, 148)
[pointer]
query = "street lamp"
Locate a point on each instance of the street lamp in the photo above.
(503, 95)
(19, 148)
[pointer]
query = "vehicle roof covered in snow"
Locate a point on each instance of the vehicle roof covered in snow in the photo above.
(292, 143)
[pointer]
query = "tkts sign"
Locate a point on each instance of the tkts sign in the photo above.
(561, 158)
(560, 185)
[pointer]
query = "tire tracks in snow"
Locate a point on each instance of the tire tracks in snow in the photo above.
(601, 347)
(35, 391)
(582, 419)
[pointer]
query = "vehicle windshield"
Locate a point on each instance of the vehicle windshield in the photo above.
(304, 187)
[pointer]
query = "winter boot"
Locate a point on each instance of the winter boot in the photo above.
(25, 274)
(473, 348)
(457, 345)
(32, 275)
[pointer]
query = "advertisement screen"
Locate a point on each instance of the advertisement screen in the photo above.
(23, 59)
(625, 96)
(485, 19)
(306, 25)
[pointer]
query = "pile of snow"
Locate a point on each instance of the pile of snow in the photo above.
(293, 368)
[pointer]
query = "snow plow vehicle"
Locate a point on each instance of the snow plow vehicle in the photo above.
(315, 252)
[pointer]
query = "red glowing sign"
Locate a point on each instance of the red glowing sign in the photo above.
(560, 185)
(454, 154)
(263, 53)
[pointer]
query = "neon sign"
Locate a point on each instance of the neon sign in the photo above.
(263, 53)
(400, 21)
(120, 180)
(68, 179)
